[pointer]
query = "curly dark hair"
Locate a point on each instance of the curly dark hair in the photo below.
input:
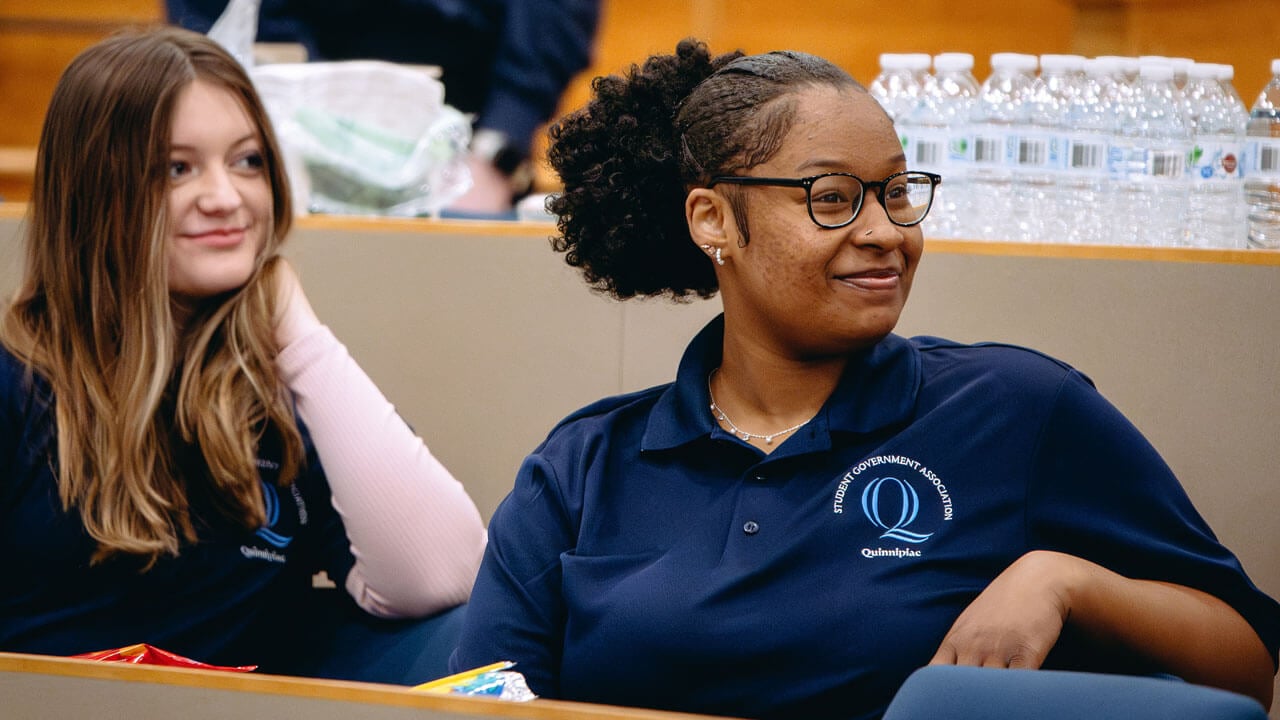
(628, 159)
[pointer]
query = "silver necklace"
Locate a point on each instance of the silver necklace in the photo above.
(719, 415)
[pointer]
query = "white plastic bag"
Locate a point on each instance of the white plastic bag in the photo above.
(366, 136)
(236, 28)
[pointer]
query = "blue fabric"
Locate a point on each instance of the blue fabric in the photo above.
(330, 637)
(647, 557)
(235, 598)
(968, 693)
(200, 604)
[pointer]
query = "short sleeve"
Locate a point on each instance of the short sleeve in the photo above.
(1101, 491)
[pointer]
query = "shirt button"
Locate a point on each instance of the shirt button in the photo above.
(751, 527)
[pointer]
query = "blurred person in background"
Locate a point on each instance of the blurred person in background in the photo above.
(506, 62)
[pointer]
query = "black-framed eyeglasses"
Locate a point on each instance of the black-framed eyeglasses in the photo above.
(834, 199)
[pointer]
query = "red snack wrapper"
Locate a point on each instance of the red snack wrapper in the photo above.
(144, 654)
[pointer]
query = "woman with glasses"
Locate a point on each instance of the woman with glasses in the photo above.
(816, 507)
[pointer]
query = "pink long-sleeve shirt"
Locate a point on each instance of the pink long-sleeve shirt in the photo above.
(416, 535)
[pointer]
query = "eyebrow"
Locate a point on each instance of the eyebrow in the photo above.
(249, 137)
(827, 163)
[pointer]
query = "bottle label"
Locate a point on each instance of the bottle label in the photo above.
(1087, 154)
(959, 147)
(989, 145)
(1038, 151)
(1263, 157)
(926, 149)
(1118, 155)
(1166, 164)
(1215, 157)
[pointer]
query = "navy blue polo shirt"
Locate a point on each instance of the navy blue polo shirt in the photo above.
(647, 557)
(213, 603)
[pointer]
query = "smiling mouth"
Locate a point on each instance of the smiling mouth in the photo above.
(221, 237)
(219, 231)
(873, 280)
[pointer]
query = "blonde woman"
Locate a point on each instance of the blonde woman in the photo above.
(183, 444)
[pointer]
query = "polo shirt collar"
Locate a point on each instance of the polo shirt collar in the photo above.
(878, 389)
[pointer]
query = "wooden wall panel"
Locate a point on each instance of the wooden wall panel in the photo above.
(38, 38)
(851, 33)
(33, 60)
(1243, 33)
(113, 11)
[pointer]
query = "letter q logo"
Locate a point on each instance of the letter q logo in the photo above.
(891, 505)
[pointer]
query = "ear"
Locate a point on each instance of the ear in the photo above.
(710, 219)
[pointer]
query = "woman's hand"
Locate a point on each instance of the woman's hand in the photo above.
(1016, 621)
(490, 192)
(293, 314)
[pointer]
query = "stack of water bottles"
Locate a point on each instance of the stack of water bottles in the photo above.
(1109, 150)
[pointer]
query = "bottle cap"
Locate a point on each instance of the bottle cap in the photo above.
(891, 61)
(953, 62)
(1061, 63)
(1100, 66)
(1202, 71)
(1128, 65)
(1014, 61)
(1157, 71)
(916, 61)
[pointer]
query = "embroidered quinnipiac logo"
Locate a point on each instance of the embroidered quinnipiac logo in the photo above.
(902, 500)
(269, 533)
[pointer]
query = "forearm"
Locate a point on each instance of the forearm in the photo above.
(1183, 631)
(415, 533)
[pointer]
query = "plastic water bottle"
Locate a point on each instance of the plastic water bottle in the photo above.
(1042, 147)
(1181, 70)
(999, 115)
(1155, 186)
(1091, 123)
(936, 139)
(1215, 215)
(1226, 75)
(1236, 107)
(1118, 88)
(900, 82)
(1262, 178)
(1181, 67)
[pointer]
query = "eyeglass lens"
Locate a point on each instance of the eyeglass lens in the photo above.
(836, 199)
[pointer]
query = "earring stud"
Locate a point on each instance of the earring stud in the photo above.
(719, 260)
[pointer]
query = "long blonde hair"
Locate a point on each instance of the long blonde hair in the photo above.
(93, 315)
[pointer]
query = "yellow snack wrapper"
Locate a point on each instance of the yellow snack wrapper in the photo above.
(496, 681)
